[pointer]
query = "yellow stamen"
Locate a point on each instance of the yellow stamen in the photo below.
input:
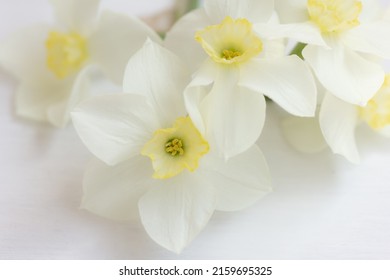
(66, 53)
(333, 16)
(230, 54)
(174, 149)
(232, 41)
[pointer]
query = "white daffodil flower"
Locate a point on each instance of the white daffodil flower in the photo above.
(338, 120)
(342, 36)
(52, 63)
(153, 160)
(221, 43)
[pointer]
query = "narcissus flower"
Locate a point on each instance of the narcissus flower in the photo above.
(154, 161)
(220, 42)
(52, 63)
(342, 35)
(339, 119)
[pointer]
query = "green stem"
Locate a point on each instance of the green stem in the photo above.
(193, 5)
(298, 49)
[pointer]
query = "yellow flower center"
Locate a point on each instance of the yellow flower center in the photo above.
(174, 149)
(334, 16)
(230, 54)
(377, 112)
(232, 41)
(66, 53)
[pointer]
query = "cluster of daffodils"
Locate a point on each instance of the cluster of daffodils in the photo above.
(179, 142)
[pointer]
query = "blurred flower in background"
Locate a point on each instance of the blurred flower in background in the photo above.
(53, 63)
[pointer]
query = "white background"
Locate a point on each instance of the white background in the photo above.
(322, 206)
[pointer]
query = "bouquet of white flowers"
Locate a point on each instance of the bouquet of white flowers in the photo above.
(179, 141)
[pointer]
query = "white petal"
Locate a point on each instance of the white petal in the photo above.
(23, 54)
(206, 74)
(304, 134)
(75, 14)
(292, 10)
(288, 81)
(305, 32)
(372, 10)
(114, 192)
(115, 40)
(372, 38)
(253, 10)
(181, 38)
(59, 113)
(33, 101)
(273, 49)
(231, 117)
(193, 99)
(234, 116)
(115, 127)
(174, 211)
(345, 74)
(338, 120)
(197, 90)
(240, 181)
(161, 76)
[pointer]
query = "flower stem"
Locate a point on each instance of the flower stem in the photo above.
(193, 4)
(297, 50)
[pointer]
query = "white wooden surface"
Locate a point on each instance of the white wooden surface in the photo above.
(322, 206)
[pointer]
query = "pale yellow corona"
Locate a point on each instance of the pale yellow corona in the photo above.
(377, 112)
(231, 42)
(174, 149)
(66, 53)
(334, 16)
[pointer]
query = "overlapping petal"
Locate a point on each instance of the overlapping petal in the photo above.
(306, 32)
(58, 113)
(231, 117)
(174, 211)
(164, 89)
(234, 116)
(197, 90)
(344, 73)
(240, 181)
(371, 38)
(113, 191)
(338, 121)
(181, 38)
(115, 39)
(288, 81)
(115, 127)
